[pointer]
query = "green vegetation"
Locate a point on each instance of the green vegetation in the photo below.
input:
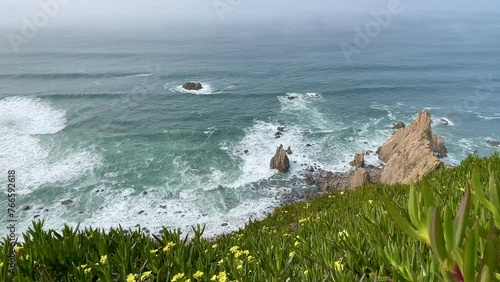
(445, 228)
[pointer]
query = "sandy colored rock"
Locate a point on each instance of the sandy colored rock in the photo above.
(360, 177)
(280, 160)
(359, 160)
(409, 152)
(438, 146)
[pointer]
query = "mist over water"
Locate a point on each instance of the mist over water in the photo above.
(96, 113)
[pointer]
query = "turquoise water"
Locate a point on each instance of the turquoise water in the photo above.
(102, 112)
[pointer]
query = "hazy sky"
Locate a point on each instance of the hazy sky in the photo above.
(168, 13)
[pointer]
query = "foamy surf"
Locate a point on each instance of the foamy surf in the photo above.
(23, 121)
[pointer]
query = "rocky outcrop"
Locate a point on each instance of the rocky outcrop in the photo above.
(409, 152)
(192, 86)
(359, 160)
(493, 143)
(280, 160)
(399, 125)
(438, 146)
(360, 177)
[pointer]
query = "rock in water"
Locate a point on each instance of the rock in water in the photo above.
(289, 150)
(409, 153)
(493, 143)
(360, 177)
(438, 146)
(66, 202)
(359, 160)
(399, 125)
(192, 86)
(280, 160)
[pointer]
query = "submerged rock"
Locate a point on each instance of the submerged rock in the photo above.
(192, 86)
(493, 143)
(280, 160)
(66, 202)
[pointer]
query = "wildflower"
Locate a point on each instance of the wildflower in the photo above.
(18, 248)
(198, 274)
(187, 280)
(214, 246)
(104, 259)
(213, 278)
(1, 264)
(302, 220)
(306, 272)
(222, 276)
(87, 270)
(239, 267)
(339, 266)
(234, 249)
(250, 258)
(168, 246)
(296, 243)
(342, 193)
(238, 254)
(343, 233)
(370, 201)
(246, 252)
(131, 277)
(177, 277)
(221, 261)
(27, 257)
(83, 266)
(154, 251)
(291, 254)
(145, 275)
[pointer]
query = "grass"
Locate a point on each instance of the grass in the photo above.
(367, 234)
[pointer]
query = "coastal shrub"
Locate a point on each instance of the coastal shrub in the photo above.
(443, 228)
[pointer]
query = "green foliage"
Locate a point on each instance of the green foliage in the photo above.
(447, 228)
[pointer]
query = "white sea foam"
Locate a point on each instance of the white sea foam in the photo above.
(140, 75)
(206, 90)
(485, 117)
(39, 162)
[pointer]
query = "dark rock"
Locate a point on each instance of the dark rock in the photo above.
(366, 143)
(205, 214)
(40, 208)
(224, 224)
(310, 169)
(192, 86)
(278, 134)
(399, 125)
(145, 193)
(444, 121)
(280, 160)
(80, 212)
(310, 180)
(141, 212)
(163, 206)
(292, 97)
(493, 143)
(66, 202)
(281, 129)
(379, 149)
(25, 208)
(46, 210)
(245, 151)
(308, 145)
(289, 150)
(36, 216)
(178, 212)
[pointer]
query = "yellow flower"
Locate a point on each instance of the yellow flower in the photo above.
(104, 259)
(187, 280)
(296, 243)
(214, 246)
(306, 272)
(1, 264)
(291, 254)
(221, 261)
(145, 275)
(131, 278)
(343, 233)
(246, 252)
(154, 251)
(234, 249)
(87, 270)
(83, 266)
(18, 248)
(342, 193)
(303, 220)
(239, 267)
(370, 201)
(213, 278)
(222, 276)
(168, 246)
(177, 277)
(27, 257)
(198, 274)
(339, 266)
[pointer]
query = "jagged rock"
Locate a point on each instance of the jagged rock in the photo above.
(280, 160)
(378, 150)
(493, 143)
(192, 86)
(310, 180)
(25, 208)
(66, 202)
(444, 121)
(359, 160)
(292, 97)
(438, 146)
(360, 177)
(289, 150)
(408, 153)
(245, 151)
(281, 129)
(399, 125)
(308, 145)
(310, 169)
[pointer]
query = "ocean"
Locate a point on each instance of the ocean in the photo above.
(101, 118)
